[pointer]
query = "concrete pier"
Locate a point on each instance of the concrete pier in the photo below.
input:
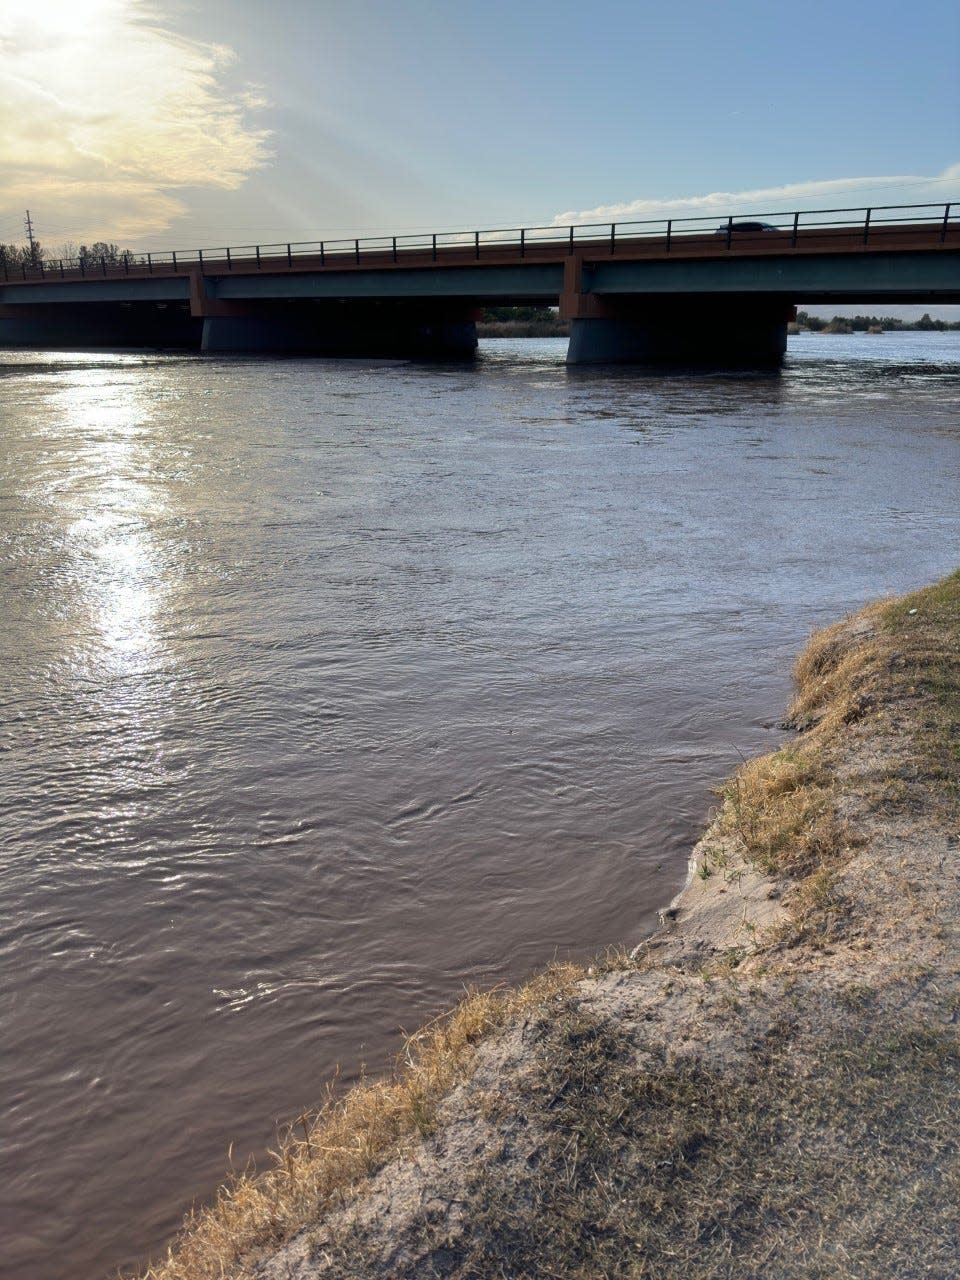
(704, 332)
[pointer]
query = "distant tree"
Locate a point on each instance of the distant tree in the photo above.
(524, 315)
(16, 257)
(103, 253)
(69, 251)
(860, 324)
(814, 323)
(97, 254)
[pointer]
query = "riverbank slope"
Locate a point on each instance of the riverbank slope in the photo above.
(769, 1085)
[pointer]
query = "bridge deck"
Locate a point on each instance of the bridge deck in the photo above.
(900, 238)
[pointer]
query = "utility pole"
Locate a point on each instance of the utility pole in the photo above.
(28, 227)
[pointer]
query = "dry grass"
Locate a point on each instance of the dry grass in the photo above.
(324, 1156)
(903, 654)
(836, 676)
(781, 808)
(922, 633)
(823, 1159)
(809, 1129)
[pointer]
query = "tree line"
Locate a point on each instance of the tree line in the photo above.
(862, 324)
(99, 254)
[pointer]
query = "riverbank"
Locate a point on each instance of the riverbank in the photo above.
(555, 328)
(769, 1085)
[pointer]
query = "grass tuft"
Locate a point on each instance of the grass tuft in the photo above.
(781, 808)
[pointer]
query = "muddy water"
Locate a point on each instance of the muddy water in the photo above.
(329, 688)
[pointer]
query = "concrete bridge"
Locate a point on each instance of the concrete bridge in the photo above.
(685, 291)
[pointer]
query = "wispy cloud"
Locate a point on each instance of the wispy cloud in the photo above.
(829, 194)
(107, 115)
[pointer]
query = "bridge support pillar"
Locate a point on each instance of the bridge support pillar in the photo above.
(718, 341)
(708, 330)
(249, 333)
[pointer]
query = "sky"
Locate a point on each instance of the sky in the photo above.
(163, 124)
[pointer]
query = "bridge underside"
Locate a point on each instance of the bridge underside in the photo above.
(110, 325)
(400, 330)
(347, 328)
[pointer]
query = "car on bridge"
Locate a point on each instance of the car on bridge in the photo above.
(744, 228)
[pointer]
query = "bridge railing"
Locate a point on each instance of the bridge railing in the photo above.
(663, 235)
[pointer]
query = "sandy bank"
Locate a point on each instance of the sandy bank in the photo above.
(769, 1086)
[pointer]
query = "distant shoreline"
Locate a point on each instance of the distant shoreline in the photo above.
(838, 325)
(523, 329)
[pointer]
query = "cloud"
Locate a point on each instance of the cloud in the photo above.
(106, 116)
(832, 193)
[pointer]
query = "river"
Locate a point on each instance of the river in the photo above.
(331, 688)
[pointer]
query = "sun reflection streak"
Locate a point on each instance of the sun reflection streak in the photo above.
(113, 490)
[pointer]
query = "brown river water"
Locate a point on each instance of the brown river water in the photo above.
(331, 688)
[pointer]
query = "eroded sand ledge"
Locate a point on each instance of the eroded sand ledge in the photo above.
(769, 1086)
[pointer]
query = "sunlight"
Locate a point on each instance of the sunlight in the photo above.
(59, 18)
(110, 484)
(121, 584)
(105, 112)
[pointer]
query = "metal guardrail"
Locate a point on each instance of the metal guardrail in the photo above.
(668, 231)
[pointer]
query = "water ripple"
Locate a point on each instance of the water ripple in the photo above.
(333, 687)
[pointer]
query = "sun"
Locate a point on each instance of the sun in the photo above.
(59, 19)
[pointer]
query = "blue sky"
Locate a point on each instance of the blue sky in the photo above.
(174, 123)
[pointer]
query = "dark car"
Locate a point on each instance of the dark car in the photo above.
(739, 228)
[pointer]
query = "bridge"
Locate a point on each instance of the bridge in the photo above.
(676, 291)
